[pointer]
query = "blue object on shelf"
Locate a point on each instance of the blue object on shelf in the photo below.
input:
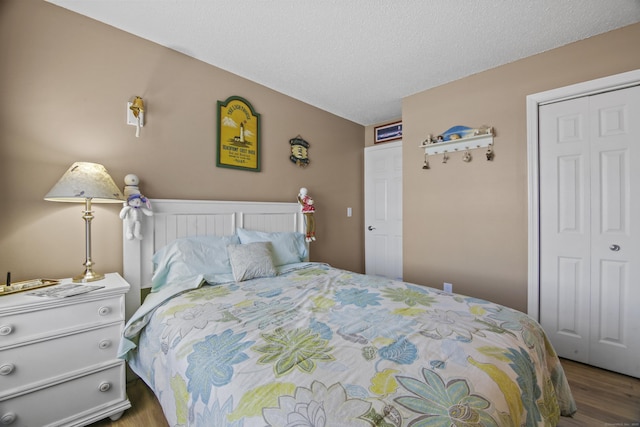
(461, 131)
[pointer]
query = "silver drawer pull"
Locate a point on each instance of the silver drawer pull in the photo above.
(7, 368)
(8, 418)
(614, 248)
(6, 329)
(103, 311)
(104, 387)
(104, 344)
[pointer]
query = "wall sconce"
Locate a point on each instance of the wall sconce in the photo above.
(135, 114)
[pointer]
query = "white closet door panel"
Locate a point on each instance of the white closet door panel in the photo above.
(571, 204)
(569, 315)
(615, 178)
(614, 183)
(565, 227)
(610, 324)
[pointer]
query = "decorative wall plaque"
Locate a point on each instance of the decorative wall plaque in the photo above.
(238, 135)
(299, 151)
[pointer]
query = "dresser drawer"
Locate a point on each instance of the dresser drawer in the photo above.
(50, 359)
(30, 325)
(61, 404)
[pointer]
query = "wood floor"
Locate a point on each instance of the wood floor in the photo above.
(604, 399)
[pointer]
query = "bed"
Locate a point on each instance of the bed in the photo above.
(240, 329)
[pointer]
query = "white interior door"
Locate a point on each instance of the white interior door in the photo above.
(383, 210)
(589, 248)
(565, 235)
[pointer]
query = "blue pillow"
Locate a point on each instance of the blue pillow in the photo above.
(189, 257)
(288, 247)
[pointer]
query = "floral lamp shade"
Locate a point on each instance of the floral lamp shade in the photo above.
(83, 181)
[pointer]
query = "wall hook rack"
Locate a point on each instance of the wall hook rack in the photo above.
(459, 138)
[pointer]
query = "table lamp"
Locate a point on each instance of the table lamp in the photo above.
(86, 183)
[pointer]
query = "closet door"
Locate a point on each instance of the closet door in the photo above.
(615, 256)
(565, 227)
(590, 249)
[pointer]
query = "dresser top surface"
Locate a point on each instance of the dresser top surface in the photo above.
(112, 284)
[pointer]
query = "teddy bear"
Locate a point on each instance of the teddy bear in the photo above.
(134, 208)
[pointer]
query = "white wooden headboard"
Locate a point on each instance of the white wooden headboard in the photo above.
(173, 219)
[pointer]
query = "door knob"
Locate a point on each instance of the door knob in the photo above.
(614, 248)
(370, 228)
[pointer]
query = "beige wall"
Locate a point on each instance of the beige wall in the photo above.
(64, 83)
(466, 223)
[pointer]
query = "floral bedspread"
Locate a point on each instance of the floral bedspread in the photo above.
(320, 346)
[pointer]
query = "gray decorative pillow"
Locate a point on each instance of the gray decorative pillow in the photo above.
(251, 261)
(288, 247)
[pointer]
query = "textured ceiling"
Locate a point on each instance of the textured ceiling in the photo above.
(358, 58)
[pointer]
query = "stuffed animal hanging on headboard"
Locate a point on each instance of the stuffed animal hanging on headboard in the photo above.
(135, 206)
(308, 209)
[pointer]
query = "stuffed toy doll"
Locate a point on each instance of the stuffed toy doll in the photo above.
(135, 206)
(308, 209)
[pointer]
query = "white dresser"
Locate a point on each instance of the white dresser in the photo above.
(58, 364)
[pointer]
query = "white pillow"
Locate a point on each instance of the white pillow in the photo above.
(288, 247)
(188, 257)
(251, 261)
